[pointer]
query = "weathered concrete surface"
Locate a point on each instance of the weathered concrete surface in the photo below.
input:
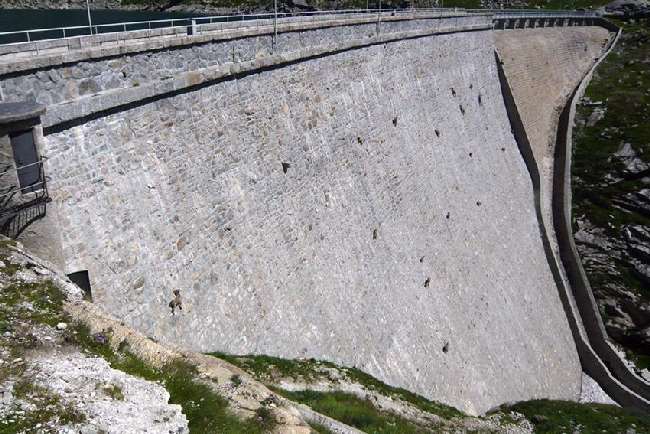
(402, 238)
(543, 67)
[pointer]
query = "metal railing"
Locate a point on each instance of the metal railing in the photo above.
(538, 12)
(245, 20)
(21, 206)
(194, 24)
(11, 188)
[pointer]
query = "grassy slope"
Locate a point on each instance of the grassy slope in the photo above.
(546, 416)
(566, 417)
(267, 369)
(206, 411)
(623, 82)
(359, 413)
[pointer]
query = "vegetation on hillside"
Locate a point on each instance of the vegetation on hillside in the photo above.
(364, 414)
(270, 370)
(572, 417)
(616, 113)
(26, 306)
(356, 412)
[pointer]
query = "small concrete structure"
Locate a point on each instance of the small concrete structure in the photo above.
(12, 113)
(23, 191)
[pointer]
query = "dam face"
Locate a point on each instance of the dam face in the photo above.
(368, 206)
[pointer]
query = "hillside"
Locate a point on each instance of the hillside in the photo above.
(611, 189)
(66, 367)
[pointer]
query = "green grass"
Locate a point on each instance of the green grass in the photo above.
(641, 361)
(206, 411)
(269, 369)
(566, 417)
(112, 390)
(420, 402)
(356, 412)
(320, 429)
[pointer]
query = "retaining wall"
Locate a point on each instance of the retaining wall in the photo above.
(636, 392)
(352, 193)
(544, 113)
(132, 63)
(367, 206)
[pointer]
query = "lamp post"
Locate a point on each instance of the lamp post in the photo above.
(90, 21)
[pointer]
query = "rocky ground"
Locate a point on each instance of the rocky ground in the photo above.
(48, 384)
(67, 368)
(611, 189)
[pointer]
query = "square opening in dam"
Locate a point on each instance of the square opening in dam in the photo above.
(82, 280)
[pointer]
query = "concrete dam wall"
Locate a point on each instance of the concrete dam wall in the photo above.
(366, 205)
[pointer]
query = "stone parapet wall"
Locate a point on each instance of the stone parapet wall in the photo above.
(53, 79)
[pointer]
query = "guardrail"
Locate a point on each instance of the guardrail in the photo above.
(254, 20)
(186, 24)
(538, 13)
(20, 206)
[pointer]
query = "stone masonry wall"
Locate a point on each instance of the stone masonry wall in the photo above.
(369, 207)
(69, 81)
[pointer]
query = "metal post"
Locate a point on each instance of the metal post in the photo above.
(90, 21)
(379, 17)
(275, 23)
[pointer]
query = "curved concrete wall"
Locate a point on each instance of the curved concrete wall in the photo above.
(543, 67)
(402, 238)
(544, 135)
(637, 391)
(591, 362)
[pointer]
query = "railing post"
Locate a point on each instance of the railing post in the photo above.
(379, 18)
(275, 24)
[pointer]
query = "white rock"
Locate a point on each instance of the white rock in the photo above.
(61, 326)
(79, 380)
